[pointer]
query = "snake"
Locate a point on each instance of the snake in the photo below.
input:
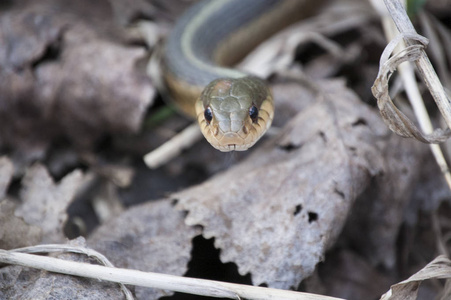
(233, 108)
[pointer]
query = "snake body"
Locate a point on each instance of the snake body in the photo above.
(233, 108)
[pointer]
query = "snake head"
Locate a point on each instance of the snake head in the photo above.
(233, 114)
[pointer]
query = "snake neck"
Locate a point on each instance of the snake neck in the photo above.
(213, 35)
(234, 110)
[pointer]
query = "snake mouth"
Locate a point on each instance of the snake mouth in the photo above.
(232, 147)
(231, 142)
(228, 141)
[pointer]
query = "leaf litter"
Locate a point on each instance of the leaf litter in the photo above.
(269, 214)
(6, 174)
(150, 237)
(333, 178)
(62, 77)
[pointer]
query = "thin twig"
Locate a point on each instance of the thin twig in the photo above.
(51, 248)
(183, 140)
(173, 147)
(154, 280)
(412, 90)
(402, 22)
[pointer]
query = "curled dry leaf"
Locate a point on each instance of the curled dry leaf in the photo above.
(150, 237)
(276, 214)
(439, 268)
(44, 203)
(28, 283)
(392, 116)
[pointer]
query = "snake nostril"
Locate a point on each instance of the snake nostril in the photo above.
(245, 131)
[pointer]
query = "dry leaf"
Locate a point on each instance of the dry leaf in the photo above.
(429, 193)
(44, 203)
(28, 283)
(374, 224)
(278, 53)
(14, 232)
(6, 174)
(439, 268)
(25, 36)
(95, 93)
(160, 11)
(392, 116)
(275, 214)
(60, 76)
(150, 237)
(347, 275)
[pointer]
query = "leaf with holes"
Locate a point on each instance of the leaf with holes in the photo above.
(151, 237)
(277, 213)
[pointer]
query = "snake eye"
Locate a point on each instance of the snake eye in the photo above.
(253, 113)
(208, 115)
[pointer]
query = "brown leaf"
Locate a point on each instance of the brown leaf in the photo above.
(6, 174)
(95, 93)
(159, 11)
(44, 203)
(150, 237)
(349, 276)
(276, 213)
(25, 36)
(396, 120)
(439, 268)
(62, 75)
(374, 224)
(14, 232)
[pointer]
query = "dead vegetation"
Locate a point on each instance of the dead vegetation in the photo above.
(332, 202)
